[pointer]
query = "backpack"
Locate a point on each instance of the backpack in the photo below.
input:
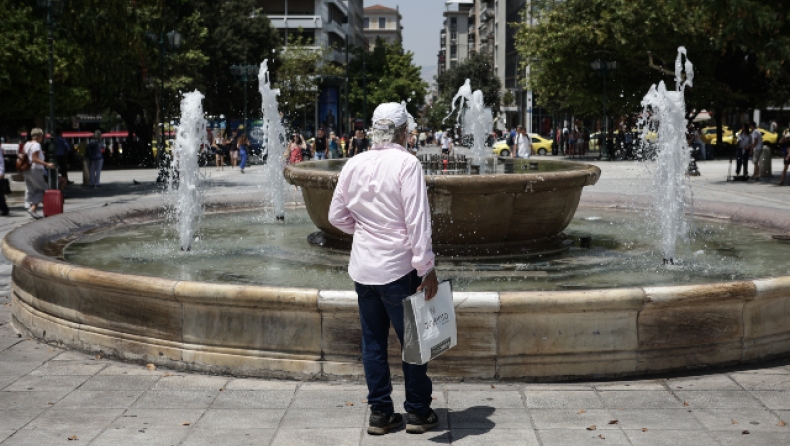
(510, 140)
(23, 162)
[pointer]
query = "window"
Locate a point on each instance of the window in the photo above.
(453, 22)
(367, 22)
(382, 22)
(453, 35)
(453, 51)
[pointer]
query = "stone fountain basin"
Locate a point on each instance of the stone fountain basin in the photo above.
(307, 333)
(514, 213)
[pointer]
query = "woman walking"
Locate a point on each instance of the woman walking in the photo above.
(35, 180)
(218, 147)
(244, 143)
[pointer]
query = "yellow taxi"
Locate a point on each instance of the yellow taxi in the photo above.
(708, 134)
(540, 146)
(168, 146)
(768, 138)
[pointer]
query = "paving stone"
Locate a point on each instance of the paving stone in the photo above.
(28, 400)
(729, 438)
(190, 382)
(298, 437)
(640, 399)
(99, 399)
(73, 355)
(532, 387)
(656, 419)
(494, 437)
(240, 418)
(46, 383)
(257, 384)
(571, 399)
(467, 399)
(64, 419)
(749, 419)
(16, 419)
(774, 400)
(755, 381)
(67, 368)
(488, 418)
(18, 368)
(176, 399)
(40, 437)
(29, 351)
(5, 433)
(130, 369)
(399, 397)
(141, 437)
(127, 382)
(339, 385)
(6, 380)
(581, 437)
(718, 399)
(156, 418)
(253, 399)
(632, 385)
(325, 398)
(572, 419)
(705, 382)
(472, 387)
(399, 437)
(229, 437)
(766, 370)
(324, 418)
(671, 438)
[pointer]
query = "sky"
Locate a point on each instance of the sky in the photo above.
(421, 21)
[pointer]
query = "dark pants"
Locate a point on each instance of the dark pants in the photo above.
(63, 166)
(378, 306)
(741, 158)
(3, 205)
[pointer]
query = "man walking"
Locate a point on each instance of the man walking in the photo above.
(523, 143)
(320, 145)
(381, 198)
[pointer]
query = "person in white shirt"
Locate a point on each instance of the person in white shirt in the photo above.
(35, 179)
(757, 150)
(523, 143)
(447, 143)
(437, 137)
(381, 199)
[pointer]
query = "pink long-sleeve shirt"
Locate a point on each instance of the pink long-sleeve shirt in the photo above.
(381, 199)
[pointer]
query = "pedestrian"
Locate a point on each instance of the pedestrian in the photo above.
(334, 146)
(580, 142)
(359, 144)
(572, 137)
(447, 142)
(784, 145)
(423, 138)
(382, 200)
(523, 143)
(234, 148)
(63, 151)
(35, 176)
(320, 145)
(411, 143)
(96, 151)
(218, 146)
(4, 187)
(757, 150)
(244, 145)
(295, 148)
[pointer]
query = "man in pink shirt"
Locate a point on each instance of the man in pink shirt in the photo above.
(381, 199)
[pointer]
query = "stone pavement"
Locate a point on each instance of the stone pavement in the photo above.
(51, 396)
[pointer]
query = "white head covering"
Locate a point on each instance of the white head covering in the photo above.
(390, 110)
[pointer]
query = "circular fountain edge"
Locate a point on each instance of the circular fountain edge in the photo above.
(308, 333)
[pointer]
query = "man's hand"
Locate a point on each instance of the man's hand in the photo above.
(430, 284)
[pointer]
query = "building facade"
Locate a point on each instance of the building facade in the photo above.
(455, 38)
(381, 21)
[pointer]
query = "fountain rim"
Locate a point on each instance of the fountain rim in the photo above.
(638, 345)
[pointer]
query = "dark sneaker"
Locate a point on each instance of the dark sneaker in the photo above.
(416, 424)
(380, 424)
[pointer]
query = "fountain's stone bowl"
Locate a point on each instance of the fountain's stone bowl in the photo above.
(520, 212)
(309, 333)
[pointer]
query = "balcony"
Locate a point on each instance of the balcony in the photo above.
(340, 5)
(333, 27)
(293, 22)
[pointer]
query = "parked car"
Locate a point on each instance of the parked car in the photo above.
(769, 138)
(708, 134)
(540, 146)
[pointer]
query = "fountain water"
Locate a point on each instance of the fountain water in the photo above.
(664, 112)
(477, 119)
(185, 178)
(275, 139)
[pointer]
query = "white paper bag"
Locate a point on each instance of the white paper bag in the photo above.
(429, 327)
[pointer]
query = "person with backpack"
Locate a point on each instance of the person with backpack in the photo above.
(96, 156)
(32, 165)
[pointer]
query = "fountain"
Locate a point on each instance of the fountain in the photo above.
(275, 140)
(532, 314)
(184, 181)
(665, 113)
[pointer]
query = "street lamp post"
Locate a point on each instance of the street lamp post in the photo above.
(243, 73)
(54, 8)
(602, 67)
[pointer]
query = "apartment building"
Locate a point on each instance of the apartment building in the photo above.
(455, 39)
(384, 22)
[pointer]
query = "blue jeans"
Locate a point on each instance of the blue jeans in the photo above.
(243, 155)
(378, 306)
(320, 155)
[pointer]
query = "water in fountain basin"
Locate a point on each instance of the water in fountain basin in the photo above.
(275, 140)
(184, 182)
(665, 113)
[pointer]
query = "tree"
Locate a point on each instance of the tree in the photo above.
(478, 69)
(391, 76)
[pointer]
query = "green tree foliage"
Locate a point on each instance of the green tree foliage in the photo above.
(478, 69)
(734, 45)
(391, 77)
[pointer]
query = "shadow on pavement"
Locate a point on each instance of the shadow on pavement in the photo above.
(469, 422)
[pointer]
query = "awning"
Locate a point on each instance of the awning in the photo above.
(702, 116)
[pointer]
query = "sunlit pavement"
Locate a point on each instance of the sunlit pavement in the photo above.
(49, 395)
